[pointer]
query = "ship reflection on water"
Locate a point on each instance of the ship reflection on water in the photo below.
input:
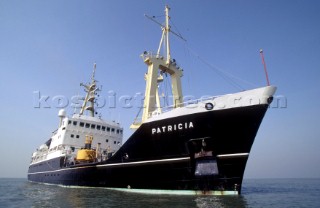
(55, 196)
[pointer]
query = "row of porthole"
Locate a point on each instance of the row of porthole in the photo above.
(114, 142)
(107, 140)
(52, 175)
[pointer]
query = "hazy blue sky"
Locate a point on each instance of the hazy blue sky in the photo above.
(50, 47)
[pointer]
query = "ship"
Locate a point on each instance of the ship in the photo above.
(195, 147)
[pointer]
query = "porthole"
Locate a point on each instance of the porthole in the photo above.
(270, 99)
(209, 106)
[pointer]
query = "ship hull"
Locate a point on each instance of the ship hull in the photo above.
(203, 153)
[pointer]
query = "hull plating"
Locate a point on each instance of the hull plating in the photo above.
(201, 153)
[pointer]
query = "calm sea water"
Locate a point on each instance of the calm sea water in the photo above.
(269, 193)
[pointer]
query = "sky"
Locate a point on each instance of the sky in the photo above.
(48, 47)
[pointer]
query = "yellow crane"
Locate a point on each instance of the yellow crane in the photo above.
(87, 154)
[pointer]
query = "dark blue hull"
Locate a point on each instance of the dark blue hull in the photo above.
(200, 152)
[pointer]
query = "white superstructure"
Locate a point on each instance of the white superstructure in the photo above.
(71, 134)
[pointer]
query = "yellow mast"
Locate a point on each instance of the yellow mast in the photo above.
(90, 97)
(152, 77)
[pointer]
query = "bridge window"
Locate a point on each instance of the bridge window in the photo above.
(72, 135)
(93, 126)
(98, 127)
(108, 129)
(81, 124)
(74, 123)
(103, 128)
(87, 125)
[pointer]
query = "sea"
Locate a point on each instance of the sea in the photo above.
(269, 193)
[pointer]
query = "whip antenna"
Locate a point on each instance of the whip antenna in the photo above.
(265, 67)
